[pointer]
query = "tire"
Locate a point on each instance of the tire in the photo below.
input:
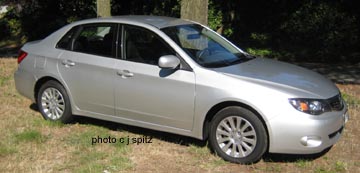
(53, 102)
(237, 135)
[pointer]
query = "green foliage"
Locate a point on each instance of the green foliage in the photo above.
(37, 19)
(10, 24)
(323, 31)
(215, 17)
(260, 38)
(140, 7)
(320, 32)
(259, 52)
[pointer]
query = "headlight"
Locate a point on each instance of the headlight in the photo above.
(310, 106)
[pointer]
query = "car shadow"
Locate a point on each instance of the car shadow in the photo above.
(183, 140)
(164, 136)
(288, 158)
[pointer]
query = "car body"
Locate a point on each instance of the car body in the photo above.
(178, 76)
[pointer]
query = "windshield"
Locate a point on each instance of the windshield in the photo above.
(204, 46)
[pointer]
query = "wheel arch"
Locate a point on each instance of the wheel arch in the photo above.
(40, 82)
(216, 108)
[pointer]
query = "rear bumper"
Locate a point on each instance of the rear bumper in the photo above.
(306, 134)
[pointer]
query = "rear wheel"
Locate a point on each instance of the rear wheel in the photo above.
(238, 135)
(53, 102)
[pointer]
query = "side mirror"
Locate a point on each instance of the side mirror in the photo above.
(168, 62)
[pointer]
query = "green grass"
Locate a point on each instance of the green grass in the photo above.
(340, 166)
(350, 100)
(94, 162)
(84, 139)
(199, 151)
(321, 170)
(90, 159)
(302, 163)
(3, 80)
(202, 153)
(29, 136)
(6, 150)
(41, 122)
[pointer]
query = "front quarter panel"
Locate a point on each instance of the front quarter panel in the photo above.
(213, 88)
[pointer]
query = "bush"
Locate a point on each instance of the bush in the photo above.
(320, 32)
(10, 25)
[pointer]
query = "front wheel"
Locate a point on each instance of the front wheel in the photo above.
(53, 102)
(238, 135)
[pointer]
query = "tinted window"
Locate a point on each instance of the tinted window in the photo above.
(142, 45)
(96, 39)
(65, 42)
(206, 47)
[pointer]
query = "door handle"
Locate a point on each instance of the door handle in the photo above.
(125, 73)
(68, 63)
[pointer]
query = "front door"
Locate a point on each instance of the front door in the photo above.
(146, 93)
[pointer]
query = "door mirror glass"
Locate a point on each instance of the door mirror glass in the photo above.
(169, 62)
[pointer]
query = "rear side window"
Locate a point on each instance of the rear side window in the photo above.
(97, 39)
(65, 42)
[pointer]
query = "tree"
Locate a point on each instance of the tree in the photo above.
(196, 10)
(103, 8)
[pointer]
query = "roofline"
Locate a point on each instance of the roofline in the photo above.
(155, 21)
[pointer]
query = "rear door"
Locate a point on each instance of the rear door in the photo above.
(87, 66)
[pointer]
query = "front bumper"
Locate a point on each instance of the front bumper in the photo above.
(300, 133)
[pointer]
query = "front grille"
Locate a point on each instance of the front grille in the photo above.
(336, 103)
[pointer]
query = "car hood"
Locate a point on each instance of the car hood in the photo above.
(281, 75)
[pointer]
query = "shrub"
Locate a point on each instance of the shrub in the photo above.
(320, 32)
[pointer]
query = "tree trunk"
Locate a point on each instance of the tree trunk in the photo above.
(196, 10)
(103, 8)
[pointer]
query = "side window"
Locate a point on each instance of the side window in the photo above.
(65, 42)
(96, 39)
(142, 45)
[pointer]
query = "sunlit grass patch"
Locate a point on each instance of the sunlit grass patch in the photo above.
(303, 163)
(40, 122)
(203, 156)
(340, 166)
(84, 138)
(6, 149)
(351, 100)
(29, 136)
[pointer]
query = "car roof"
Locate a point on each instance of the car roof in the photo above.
(156, 21)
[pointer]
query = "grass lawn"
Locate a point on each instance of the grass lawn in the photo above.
(28, 143)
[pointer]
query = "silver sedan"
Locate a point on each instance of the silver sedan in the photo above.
(181, 77)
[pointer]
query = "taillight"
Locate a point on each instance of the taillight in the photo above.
(22, 56)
